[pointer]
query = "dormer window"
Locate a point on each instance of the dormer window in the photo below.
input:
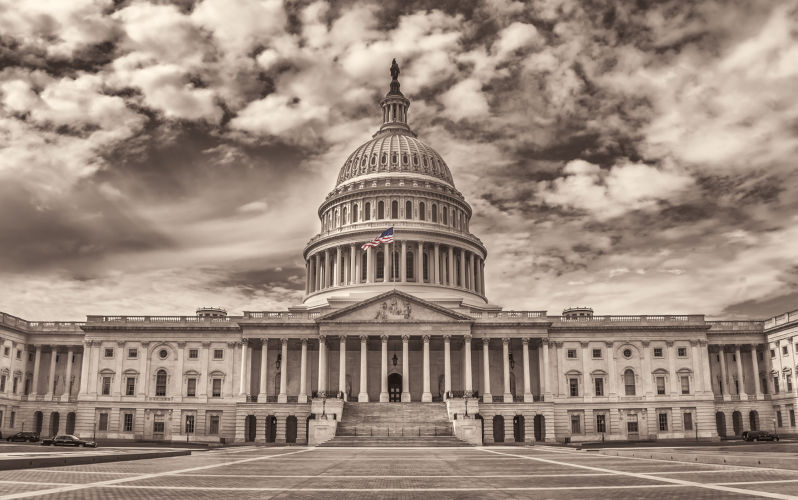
(404, 159)
(384, 159)
(415, 160)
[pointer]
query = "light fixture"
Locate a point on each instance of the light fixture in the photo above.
(279, 359)
(394, 359)
(512, 361)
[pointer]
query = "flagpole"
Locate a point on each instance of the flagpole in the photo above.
(393, 249)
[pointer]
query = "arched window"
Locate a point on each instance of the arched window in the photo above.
(629, 382)
(354, 213)
(380, 209)
(160, 383)
(373, 160)
(445, 217)
(452, 217)
(394, 209)
(363, 267)
(343, 216)
(336, 220)
(380, 265)
(426, 267)
(367, 212)
(434, 213)
(409, 265)
(408, 210)
(422, 211)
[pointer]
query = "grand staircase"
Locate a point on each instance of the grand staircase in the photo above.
(394, 424)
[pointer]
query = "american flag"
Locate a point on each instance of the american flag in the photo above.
(385, 237)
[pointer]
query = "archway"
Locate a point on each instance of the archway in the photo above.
(737, 423)
(498, 429)
(394, 387)
(290, 429)
(271, 429)
(70, 423)
(518, 428)
(55, 420)
(753, 420)
(249, 428)
(38, 419)
(540, 427)
(720, 423)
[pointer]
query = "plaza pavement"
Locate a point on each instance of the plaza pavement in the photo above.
(429, 473)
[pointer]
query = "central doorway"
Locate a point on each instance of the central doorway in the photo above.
(394, 388)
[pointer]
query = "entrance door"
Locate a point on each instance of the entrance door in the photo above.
(518, 428)
(55, 420)
(249, 428)
(290, 429)
(498, 429)
(540, 428)
(394, 388)
(271, 429)
(632, 430)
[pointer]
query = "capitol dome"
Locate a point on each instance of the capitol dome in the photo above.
(395, 181)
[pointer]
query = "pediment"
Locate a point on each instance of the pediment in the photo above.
(394, 307)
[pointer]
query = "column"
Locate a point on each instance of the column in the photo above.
(755, 366)
(426, 395)
(482, 275)
(85, 360)
(264, 370)
(352, 264)
(283, 396)
(560, 374)
(322, 366)
(451, 281)
(342, 365)
(405, 369)
(51, 375)
(384, 370)
(478, 287)
(370, 265)
(447, 365)
(508, 396)
(327, 269)
(527, 381)
(337, 267)
(420, 265)
(704, 361)
(358, 276)
(178, 383)
(462, 269)
(68, 377)
(403, 262)
(611, 375)
(242, 384)
(303, 370)
(470, 270)
(316, 273)
(545, 378)
(436, 265)
(202, 384)
(386, 263)
(586, 389)
(36, 367)
(469, 387)
(675, 382)
(740, 378)
(698, 372)
(363, 397)
(723, 380)
(487, 397)
(646, 375)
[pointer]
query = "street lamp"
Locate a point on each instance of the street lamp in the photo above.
(465, 398)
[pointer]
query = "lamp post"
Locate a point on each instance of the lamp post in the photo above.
(324, 406)
(465, 398)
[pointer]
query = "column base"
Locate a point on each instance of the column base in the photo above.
(487, 398)
(383, 397)
(529, 398)
(282, 398)
(302, 398)
(363, 397)
(508, 398)
(405, 397)
(426, 397)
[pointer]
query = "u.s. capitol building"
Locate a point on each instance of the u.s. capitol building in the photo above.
(407, 324)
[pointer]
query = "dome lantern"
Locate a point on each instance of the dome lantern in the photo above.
(394, 107)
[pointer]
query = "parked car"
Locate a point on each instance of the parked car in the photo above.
(68, 440)
(30, 437)
(760, 436)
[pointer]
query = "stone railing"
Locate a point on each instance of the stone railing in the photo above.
(398, 224)
(746, 326)
(635, 318)
(158, 319)
(280, 315)
(39, 326)
(782, 319)
(476, 313)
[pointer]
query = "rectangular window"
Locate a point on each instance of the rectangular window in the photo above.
(792, 417)
(601, 423)
(597, 353)
(16, 384)
(788, 379)
(3, 383)
(573, 384)
(217, 388)
(660, 385)
(103, 425)
(663, 421)
(213, 425)
(19, 354)
(133, 353)
(681, 352)
(776, 384)
(6, 351)
(658, 352)
(193, 354)
(191, 387)
(13, 418)
(109, 352)
(130, 386)
(576, 425)
(778, 418)
(772, 353)
(784, 350)
(599, 387)
(218, 354)
(128, 423)
(688, 421)
(571, 353)
(685, 384)
(189, 424)
(157, 427)
(106, 386)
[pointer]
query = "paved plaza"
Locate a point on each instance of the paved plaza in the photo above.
(494, 472)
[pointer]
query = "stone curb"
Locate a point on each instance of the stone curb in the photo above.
(38, 462)
(790, 463)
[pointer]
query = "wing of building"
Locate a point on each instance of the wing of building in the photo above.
(399, 337)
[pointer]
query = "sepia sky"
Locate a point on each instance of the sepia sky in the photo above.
(637, 157)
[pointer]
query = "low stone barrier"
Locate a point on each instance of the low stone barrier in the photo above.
(77, 458)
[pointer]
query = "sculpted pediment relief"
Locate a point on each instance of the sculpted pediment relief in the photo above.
(394, 307)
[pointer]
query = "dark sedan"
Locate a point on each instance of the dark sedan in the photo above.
(30, 437)
(759, 436)
(68, 440)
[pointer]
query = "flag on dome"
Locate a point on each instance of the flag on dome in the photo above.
(385, 237)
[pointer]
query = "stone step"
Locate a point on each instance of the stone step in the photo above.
(393, 441)
(353, 429)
